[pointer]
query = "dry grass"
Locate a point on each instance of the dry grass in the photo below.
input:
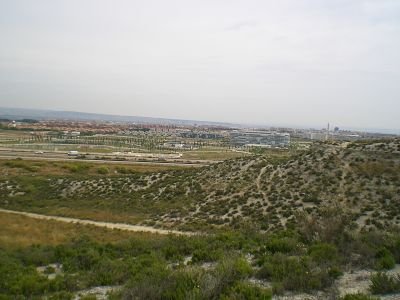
(96, 215)
(212, 154)
(21, 167)
(377, 168)
(21, 231)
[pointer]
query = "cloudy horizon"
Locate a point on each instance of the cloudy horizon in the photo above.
(296, 62)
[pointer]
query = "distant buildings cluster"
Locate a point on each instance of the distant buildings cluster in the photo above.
(260, 138)
(181, 136)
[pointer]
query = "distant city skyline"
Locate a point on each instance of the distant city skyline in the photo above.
(276, 63)
(203, 122)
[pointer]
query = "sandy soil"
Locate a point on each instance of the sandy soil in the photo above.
(100, 292)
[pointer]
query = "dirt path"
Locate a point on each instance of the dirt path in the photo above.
(258, 182)
(121, 226)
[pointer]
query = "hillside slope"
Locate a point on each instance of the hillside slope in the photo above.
(262, 190)
(361, 178)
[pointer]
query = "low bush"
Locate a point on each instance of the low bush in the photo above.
(323, 253)
(247, 291)
(61, 296)
(76, 167)
(358, 296)
(103, 170)
(192, 283)
(166, 284)
(206, 255)
(122, 170)
(384, 260)
(16, 279)
(20, 164)
(382, 283)
(283, 245)
(297, 273)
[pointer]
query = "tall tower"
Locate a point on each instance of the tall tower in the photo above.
(327, 133)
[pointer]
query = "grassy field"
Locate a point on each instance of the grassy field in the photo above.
(19, 231)
(38, 174)
(212, 154)
(60, 147)
(53, 168)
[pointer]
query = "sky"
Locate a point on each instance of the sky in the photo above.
(286, 62)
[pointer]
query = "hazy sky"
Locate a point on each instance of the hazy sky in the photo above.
(288, 62)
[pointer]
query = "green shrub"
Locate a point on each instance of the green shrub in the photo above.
(17, 280)
(89, 297)
(384, 260)
(76, 167)
(183, 285)
(166, 284)
(382, 283)
(122, 170)
(241, 291)
(283, 245)
(323, 253)
(206, 255)
(60, 296)
(358, 297)
(396, 248)
(335, 272)
(296, 273)
(20, 164)
(108, 272)
(192, 283)
(278, 288)
(236, 267)
(36, 255)
(103, 170)
(49, 270)
(229, 271)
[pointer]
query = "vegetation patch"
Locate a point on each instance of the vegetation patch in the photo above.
(382, 283)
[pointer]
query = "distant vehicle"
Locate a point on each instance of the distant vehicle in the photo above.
(39, 152)
(73, 153)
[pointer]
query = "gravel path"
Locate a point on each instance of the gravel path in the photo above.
(121, 226)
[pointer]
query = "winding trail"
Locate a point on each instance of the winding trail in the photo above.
(258, 182)
(109, 225)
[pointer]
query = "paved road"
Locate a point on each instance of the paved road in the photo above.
(121, 226)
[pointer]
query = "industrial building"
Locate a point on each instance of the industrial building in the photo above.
(260, 138)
